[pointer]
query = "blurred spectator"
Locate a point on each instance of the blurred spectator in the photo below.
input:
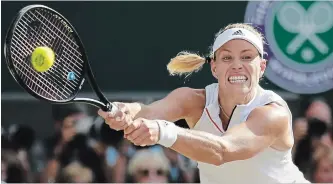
(88, 152)
(300, 131)
(21, 137)
(37, 159)
(320, 132)
(147, 166)
(65, 117)
(72, 111)
(322, 166)
(319, 109)
(116, 150)
(18, 141)
(179, 172)
(317, 131)
(119, 160)
(75, 173)
(12, 170)
(300, 128)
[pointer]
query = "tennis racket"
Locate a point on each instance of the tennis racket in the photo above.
(38, 25)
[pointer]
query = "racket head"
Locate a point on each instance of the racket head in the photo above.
(39, 25)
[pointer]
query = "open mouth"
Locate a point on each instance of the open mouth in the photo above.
(237, 79)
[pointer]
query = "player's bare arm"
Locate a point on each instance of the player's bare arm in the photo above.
(262, 129)
(264, 126)
(181, 103)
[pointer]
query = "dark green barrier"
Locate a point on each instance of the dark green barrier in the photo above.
(130, 43)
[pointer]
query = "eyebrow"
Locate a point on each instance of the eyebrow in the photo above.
(225, 50)
(245, 50)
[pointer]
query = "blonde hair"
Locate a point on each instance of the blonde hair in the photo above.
(73, 172)
(185, 62)
(145, 158)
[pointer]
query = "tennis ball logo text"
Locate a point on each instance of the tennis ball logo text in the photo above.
(39, 60)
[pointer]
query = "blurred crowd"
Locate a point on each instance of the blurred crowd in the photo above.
(313, 146)
(83, 149)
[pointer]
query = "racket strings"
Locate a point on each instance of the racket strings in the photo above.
(29, 76)
(56, 43)
(27, 52)
(48, 31)
(34, 35)
(44, 85)
(57, 46)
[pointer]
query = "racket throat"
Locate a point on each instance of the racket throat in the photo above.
(96, 103)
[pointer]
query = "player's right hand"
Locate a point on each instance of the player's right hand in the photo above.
(119, 118)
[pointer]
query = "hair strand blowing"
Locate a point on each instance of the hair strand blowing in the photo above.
(185, 63)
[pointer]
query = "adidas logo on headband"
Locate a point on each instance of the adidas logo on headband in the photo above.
(239, 32)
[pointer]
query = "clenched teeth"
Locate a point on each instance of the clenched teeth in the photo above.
(237, 79)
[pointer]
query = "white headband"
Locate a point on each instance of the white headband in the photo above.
(238, 33)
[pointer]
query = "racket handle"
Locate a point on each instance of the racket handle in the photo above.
(113, 108)
(105, 106)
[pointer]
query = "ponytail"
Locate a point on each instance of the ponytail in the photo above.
(186, 63)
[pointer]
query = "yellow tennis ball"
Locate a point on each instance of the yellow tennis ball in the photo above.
(42, 59)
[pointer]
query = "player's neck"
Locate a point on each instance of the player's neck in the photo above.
(229, 100)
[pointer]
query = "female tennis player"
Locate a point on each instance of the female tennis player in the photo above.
(240, 133)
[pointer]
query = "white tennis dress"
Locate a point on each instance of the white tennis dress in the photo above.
(269, 166)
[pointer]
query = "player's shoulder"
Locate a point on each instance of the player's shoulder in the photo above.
(190, 99)
(195, 92)
(189, 94)
(272, 116)
(273, 104)
(271, 111)
(270, 95)
(192, 102)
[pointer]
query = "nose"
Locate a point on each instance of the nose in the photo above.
(237, 66)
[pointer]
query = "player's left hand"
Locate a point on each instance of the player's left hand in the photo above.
(142, 132)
